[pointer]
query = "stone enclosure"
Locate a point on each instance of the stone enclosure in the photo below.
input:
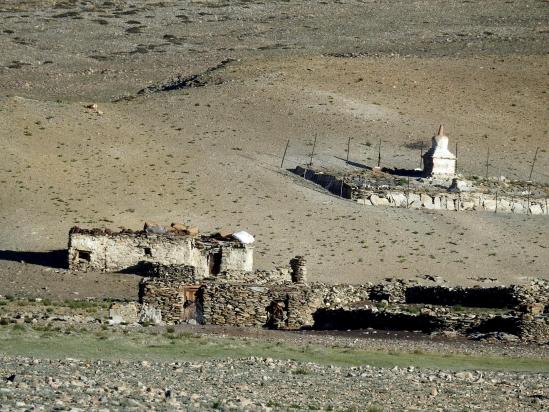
(280, 299)
(436, 186)
(389, 189)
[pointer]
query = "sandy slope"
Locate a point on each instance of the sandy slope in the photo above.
(210, 156)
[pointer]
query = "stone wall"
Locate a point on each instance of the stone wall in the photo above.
(246, 305)
(431, 200)
(491, 297)
(257, 277)
(124, 251)
(331, 183)
(183, 273)
(401, 305)
(523, 326)
(191, 275)
(234, 304)
(223, 302)
(523, 297)
(455, 202)
(166, 294)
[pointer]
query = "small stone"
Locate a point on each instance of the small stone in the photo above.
(465, 375)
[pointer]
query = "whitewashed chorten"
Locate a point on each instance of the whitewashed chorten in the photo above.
(438, 160)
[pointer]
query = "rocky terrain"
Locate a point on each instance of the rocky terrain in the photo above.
(64, 355)
(123, 111)
(259, 384)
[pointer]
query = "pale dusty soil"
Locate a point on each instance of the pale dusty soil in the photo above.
(210, 156)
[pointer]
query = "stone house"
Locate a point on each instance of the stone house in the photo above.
(107, 251)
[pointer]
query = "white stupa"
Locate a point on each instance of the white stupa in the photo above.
(438, 160)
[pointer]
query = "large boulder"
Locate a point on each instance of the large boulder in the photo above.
(123, 313)
(398, 198)
(536, 209)
(150, 314)
(379, 201)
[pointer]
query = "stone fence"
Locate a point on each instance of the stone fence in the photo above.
(431, 200)
(470, 201)
(524, 326)
(522, 297)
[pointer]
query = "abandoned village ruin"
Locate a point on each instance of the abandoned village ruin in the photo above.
(210, 280)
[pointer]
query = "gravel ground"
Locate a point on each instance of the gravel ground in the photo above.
(258, 384)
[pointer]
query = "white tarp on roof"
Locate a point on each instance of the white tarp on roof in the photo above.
(244, 237)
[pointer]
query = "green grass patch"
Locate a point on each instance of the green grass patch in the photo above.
(139, 345)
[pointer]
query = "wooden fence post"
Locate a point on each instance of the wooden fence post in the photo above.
(284, 155)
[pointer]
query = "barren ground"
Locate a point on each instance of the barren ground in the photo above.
(210, 156)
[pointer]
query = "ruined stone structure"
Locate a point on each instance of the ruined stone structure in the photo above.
(276, 300)
(106, 251)
(439, 161)
(242, 298)
(299, 270)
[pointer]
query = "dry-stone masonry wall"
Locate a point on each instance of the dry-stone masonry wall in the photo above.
(524, 297)
(166, 294)
(254, 299)
(103, 250)
(432, 199)
(477, 325)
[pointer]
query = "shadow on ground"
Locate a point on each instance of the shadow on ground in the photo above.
(391, 171)
(53, 258)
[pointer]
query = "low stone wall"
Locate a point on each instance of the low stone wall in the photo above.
(328, 182)
(455, 202)
(462, 201)
(533, 296)
(343, 319)
(535, 329)
(523, 326)
(492, 297)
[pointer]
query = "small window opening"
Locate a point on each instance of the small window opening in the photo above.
(83, 255)
(148, 251)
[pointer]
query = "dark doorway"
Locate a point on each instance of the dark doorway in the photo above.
(214, 263)
(189, 306)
